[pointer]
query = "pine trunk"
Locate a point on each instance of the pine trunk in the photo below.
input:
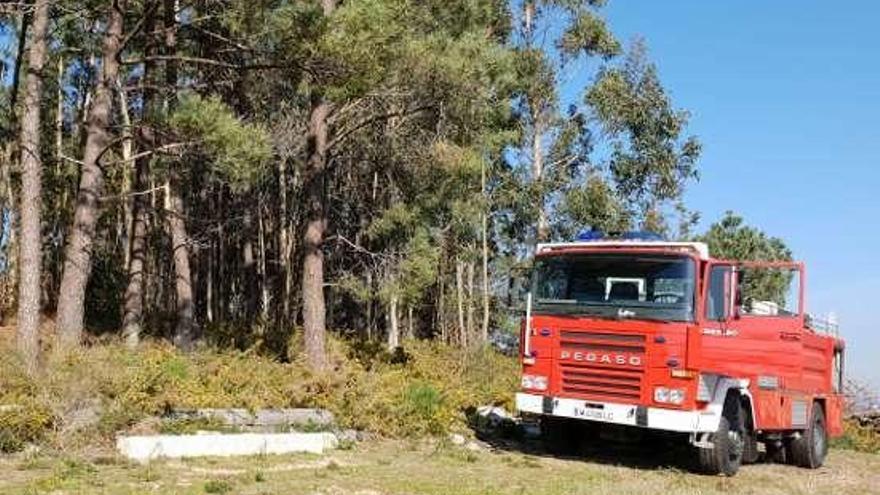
(459, 293)
(249, 268)
(543, 231)
(314, 311)
(394, 328)
(265, 298)
(485, 253)
(78, 254)
(470, 299)
(133, 309)
(184, 332)
(184, 335)
(31, 194)
(314, 307)
(283, 240)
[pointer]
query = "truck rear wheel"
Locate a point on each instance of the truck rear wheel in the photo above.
(810, 448)
(728, 441)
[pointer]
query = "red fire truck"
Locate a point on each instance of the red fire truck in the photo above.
(636, 333)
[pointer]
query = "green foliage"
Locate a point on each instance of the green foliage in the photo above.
(23, 423)
(859, 438)
(650, 160)
(595, 205)
(428, 102)
(590, 34)
(429, 393)
(23, 418)
(426, 393)
(217, 486)
(361, 42)
(239, 151)
(423, 401)
(730, 238)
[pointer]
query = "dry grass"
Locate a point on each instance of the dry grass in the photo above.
(425, 467)
(77, 404)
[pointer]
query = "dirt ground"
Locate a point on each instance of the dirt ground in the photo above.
(427, 467)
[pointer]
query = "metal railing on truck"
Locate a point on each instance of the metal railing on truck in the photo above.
(827, 325)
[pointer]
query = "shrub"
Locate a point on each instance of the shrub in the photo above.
(22, 424)
(217, 486)
(428, 392)
(858, 437)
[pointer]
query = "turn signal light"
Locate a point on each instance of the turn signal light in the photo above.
(679, 373)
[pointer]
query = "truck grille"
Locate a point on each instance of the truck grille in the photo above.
(587, 374)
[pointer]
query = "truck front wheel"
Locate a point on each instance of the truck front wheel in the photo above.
(809, 449)
(728, 442)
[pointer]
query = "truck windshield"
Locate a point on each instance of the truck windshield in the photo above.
(654, 287)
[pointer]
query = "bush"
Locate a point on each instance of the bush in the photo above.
(22, 424)
(217, 486)
(424, 390)
(427, 394)
(859, 438)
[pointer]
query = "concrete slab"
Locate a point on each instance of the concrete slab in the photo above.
(146, 448)
(260, 417)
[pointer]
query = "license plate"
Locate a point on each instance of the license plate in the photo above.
(607, 413)
(593, 413)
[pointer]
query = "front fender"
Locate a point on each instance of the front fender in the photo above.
(716, 388)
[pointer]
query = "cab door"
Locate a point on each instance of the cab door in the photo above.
(746, 337)
(719, 351)
(775, 332)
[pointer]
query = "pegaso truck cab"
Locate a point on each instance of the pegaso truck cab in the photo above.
(635, 332)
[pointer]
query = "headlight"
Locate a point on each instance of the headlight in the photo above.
(665, 395)
(661, 394)
(676, 396)
(534, 382)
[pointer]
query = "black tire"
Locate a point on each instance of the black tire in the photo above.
(811, 447)
(726, 455)
(750, 447)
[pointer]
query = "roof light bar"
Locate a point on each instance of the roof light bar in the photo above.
(633, 235)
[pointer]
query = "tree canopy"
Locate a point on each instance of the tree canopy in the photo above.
(252, 174)
(731, 238)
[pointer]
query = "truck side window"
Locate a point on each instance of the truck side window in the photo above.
(715, 298)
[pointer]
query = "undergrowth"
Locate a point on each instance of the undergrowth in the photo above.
(858, 437)
(97, 392)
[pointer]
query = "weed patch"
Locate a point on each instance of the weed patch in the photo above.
(217, 486)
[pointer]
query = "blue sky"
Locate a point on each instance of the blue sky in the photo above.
(785, 97)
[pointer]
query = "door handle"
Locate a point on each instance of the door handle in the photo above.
(790, 335)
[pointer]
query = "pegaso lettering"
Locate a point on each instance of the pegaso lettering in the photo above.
(602, 358)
